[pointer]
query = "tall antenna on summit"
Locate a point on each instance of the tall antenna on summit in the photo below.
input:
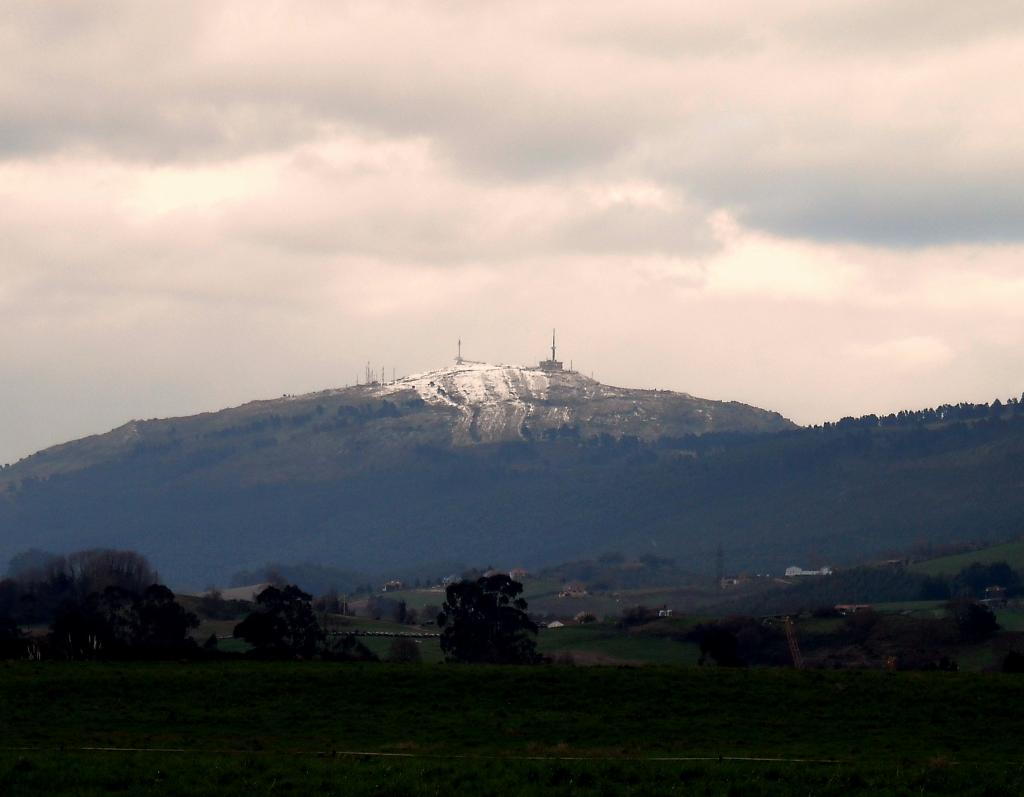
(552, 364)
(458, 360)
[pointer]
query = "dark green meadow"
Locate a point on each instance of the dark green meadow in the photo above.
(101, 774)
(282, 728)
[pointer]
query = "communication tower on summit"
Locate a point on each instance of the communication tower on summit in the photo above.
(458, 358)
(553, 364)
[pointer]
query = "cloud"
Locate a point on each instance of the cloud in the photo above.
(918, 352)
(812, 208)
(857, 123)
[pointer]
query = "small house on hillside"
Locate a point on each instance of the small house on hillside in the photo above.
(392, 585)
(574, 590)
(517, 574)
(555, 624)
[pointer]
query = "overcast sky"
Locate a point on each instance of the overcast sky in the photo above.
(816, 208)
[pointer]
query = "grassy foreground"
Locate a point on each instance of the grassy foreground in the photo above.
(94, 775)
(281, 728)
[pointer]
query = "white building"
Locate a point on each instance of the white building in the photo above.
(799, 571)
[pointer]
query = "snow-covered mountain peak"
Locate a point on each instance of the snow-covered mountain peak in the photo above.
(494, 402)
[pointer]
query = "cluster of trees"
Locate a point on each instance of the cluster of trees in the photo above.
(38, 583)
(864, 638)
(482, 621)
(944, 413)
(120, 624)
(108, 604)
(99, 603)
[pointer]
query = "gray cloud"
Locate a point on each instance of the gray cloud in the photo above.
(810, 208)
(851, 123)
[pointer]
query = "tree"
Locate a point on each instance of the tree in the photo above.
(485, 621)
(117, 623)
(79, 631)
(717, 643)
(1013, 662)
(404, 650)
(975, 622)
(973, 579)
(347, 647)
(12, 643)
(96, 569)
(637, 615)
(162, 625)
(283, 625)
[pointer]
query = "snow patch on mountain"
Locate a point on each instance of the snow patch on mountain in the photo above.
(493, 401)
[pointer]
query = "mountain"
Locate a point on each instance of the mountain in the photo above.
(466, 404)
(518, 467)
(375, 476)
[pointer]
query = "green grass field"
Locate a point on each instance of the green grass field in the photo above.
(1011, 552)
(1010, 619)
(923, 608)
(30, 774)
(243, 775)
(297, 728)
(597, 643)
(601, 643)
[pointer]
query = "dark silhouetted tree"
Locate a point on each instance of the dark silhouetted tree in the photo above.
(12, 645)
(283, 625)
(346, 647)
(96, 569)
(1013, 662)
(975, 622)
(485, 621)
(120, 624)
(717, 643)
(973, 579)
(162, 624)
(637, 615)
(79, 631)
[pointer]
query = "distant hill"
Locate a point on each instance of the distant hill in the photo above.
(1010, 552)
(517, 467)
(338, 431)
(467, 463)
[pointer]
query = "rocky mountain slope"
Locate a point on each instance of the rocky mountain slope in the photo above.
(493, 403)
(334, 430)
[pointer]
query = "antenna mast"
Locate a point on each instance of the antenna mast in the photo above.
(553, 357)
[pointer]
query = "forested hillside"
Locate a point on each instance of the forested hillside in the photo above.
(836, 494)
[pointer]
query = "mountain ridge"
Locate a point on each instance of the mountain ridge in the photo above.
(471, 403)
(380, 478)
